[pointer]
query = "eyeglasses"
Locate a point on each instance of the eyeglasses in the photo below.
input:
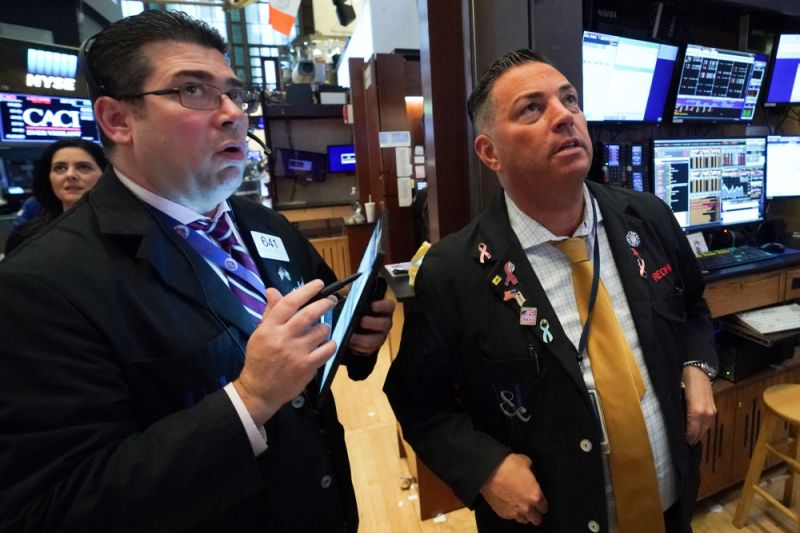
(205, 97)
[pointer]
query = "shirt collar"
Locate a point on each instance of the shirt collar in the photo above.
(178, 212)
(531, 233)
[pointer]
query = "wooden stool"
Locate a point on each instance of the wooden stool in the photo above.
(782, 404)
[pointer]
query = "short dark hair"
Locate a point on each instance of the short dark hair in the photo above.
(479, 105)
(113, 62)
(42, 188)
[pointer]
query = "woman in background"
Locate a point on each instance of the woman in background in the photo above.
(66, 171)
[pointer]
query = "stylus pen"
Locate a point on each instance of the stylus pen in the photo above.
(333, 288)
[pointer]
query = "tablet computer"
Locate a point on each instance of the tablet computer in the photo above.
(362, 292)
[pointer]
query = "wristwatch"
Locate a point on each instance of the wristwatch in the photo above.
(709, 370)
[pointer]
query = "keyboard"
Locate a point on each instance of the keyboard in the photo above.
(729, 257)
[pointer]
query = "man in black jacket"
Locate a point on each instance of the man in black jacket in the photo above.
(140, 387)
(501, 387)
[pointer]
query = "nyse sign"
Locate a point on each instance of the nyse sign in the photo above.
(50, 82)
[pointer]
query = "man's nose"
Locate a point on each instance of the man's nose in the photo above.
(562, 115)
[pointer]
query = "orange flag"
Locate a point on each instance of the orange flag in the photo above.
(282, 14)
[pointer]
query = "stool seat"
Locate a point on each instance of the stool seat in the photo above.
(784, 401)
(782, 405)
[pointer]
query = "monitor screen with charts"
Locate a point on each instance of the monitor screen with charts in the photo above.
(718, 85)
(784, 83)
(711, 183)
(625, 79)
(783, 166)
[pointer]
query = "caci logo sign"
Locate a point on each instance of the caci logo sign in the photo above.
(52, 119)
(51, 70)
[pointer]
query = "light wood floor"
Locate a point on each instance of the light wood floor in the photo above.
(378, 469)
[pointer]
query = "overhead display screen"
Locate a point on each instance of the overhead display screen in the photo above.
(36, 118)
(718, 85)
(625, 79)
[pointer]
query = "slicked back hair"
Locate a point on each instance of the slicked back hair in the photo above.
(114, 58)
(480, 106)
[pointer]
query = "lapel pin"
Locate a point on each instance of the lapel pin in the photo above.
(520, 298)
(496, 280)
(509, 295)
(633, 239)
(544, 325)
(284, 274)
(639, 262)
(182, 231)
(509, 268)
(527, 316)
(484, 251)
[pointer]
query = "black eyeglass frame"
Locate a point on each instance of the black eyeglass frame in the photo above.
(246, 105)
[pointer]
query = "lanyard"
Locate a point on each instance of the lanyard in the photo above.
(595, 284)
(215, 254)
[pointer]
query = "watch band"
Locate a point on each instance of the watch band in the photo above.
(709, 370)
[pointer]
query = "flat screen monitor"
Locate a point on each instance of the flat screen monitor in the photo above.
(783, 166)
(341, 158)
(29, 118)
(718, 85)
(302, 165)
(711, 183)
(784, 85)
(625, 79)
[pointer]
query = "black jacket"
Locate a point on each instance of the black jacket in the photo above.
(117, 338)
(463, 346)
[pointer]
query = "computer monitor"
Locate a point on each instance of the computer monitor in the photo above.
(302, 165)
(625, 79)
(718, 85)
(783, 166)
(26, 118)
(341, 158)
(784, 84)
(711, 183)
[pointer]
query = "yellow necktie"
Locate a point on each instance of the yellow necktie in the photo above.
(620, 387)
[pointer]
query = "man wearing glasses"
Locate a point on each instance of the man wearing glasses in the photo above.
(148, 381)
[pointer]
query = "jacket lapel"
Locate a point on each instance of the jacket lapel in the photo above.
(250, 218)
(123, 217)
(497, 235)
(621, 222)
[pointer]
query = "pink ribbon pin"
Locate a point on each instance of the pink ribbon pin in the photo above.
(485, 255)
(509, 268)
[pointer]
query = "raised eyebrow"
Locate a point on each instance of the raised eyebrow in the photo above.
(207, 77)
(567, 87)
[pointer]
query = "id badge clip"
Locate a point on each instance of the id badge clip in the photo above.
(598, 411)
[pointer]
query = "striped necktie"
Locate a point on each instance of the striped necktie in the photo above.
(620, 386)
(249, 290)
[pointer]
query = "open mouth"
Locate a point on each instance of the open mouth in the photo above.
(568, 146)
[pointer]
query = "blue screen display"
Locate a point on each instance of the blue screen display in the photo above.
(341, 158)
(784, 87)
(625, 79)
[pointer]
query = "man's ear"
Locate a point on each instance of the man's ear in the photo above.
(486, 150)
(114, 117)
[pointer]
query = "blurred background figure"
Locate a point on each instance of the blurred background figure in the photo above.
(66, 171)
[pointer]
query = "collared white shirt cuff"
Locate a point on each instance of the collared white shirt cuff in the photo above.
(256, 434)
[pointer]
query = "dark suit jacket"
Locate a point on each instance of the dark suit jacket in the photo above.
(464, 356)
(116, 340)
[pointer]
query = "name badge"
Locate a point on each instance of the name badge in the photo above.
(270, 246)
